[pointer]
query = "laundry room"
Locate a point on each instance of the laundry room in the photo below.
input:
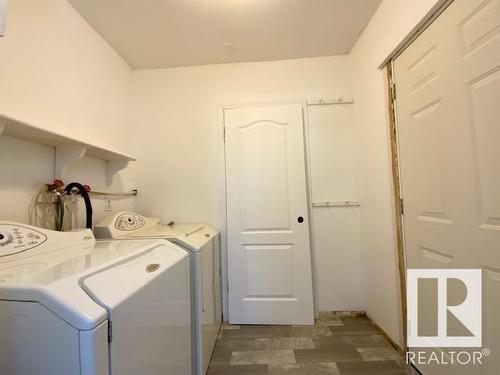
(211, 187)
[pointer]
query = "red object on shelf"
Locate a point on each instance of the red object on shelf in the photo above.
(57, 184)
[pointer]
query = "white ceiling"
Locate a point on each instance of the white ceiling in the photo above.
(167, 33)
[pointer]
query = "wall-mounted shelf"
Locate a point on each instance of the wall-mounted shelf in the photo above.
(67, 149)
(337, 204)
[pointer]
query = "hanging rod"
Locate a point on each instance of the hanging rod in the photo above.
(132, 193)
(336, 204)
(322, 101)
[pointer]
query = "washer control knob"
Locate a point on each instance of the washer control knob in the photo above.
(5, 238)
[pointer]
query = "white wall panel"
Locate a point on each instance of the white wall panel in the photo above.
(334, 149)
(391, 23)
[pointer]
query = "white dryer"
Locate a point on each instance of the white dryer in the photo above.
(70, 305)
(202, 241)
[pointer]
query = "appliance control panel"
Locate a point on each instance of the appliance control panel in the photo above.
(17, 238)
(129, 221)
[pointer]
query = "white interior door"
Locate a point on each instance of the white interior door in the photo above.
(269, 264)
(448, 90)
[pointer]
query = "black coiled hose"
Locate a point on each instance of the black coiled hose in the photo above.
(86, 198)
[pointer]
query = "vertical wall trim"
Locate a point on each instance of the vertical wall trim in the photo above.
(222, 214)
(312, 242)
(397, 197)
(3, 16)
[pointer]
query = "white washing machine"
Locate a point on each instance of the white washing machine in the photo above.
(72, 306)
(203, 243)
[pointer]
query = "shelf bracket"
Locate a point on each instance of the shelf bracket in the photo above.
(115, 166)
(3, 125)
(66, 155)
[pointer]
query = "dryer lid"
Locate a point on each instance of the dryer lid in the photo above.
(112, 286)
(148, 302)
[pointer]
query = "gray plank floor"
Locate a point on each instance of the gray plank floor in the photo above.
(334, 345)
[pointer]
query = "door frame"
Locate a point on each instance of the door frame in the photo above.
(388, 65)
(398, 198)
(222, 189)
(438, 8)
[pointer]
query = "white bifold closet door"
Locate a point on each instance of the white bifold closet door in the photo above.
(448, 114)
(269, 264)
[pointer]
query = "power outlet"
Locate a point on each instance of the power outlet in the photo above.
(107, 205)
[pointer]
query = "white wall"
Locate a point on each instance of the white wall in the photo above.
(58, 73)
(25, 166)
(334, 170)
(391, 23)
(180, 127)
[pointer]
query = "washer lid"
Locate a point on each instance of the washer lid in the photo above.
(132, 225)
(123, 223)
(20, 240)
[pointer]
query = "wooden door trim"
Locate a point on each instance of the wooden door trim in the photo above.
(388, 63)
(398, 202)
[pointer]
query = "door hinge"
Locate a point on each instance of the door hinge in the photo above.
(401, 206)
(110, 331)
(224, 135)
(393, 88)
